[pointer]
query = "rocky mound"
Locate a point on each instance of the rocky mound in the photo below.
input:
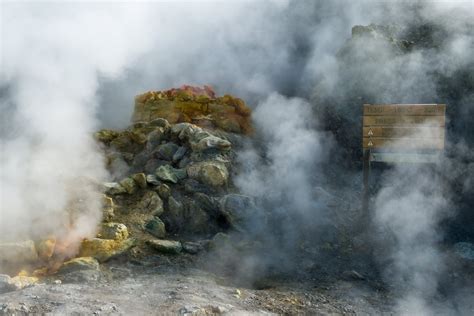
(195, 105)
(171, 188)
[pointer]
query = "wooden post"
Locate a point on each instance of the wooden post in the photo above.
(366, 193)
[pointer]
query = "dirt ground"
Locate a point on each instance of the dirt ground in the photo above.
(177, 286)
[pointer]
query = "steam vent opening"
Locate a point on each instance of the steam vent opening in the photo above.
(237, 158)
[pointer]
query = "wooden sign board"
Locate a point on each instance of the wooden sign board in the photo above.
(403, 127)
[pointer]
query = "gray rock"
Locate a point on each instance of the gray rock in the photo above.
(174, 216)
(212, 173)
(184, 162)
(156, 227)
(166, 151)
(241, 213)
(152, 164)
(155, 138)
(170, 174)
(209, 142)
(79, 264)
(206, 202)
(165, 246)
(196, 219)
(192, 247)
(161, 122)
(164, 191)
(6, 284)
(193, 186)
(152, 179)
(150, 203)
(129, 185)
(140, 180)
(113, 188)
(179, 154)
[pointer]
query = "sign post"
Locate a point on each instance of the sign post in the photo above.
(400, 133)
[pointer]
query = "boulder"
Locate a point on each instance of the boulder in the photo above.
(155, 138)
(241, 213)
(104, 249)
(115, 231)
(79, 264)
(179, 154)
(193, 186)
(192, 247)
(129, 185)
(8, 284)
(140, 180)
(156, 227)
(164, 191)
(150, 203)
(170, 174)
(212, 173)
(152, 179)
(196, 219)
(165, 246)
(166, 151)
(113, 188)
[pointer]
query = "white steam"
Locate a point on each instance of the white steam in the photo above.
(52, 55)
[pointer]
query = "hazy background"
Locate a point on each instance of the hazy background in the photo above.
(68, 69)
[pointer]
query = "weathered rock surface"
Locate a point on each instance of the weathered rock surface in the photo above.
(212, 173)
(104, 249)
(116, 231)
(194, 105)
(156, 227)
(165, 246)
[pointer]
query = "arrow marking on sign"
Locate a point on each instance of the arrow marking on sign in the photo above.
(370, 144)
(370, 133)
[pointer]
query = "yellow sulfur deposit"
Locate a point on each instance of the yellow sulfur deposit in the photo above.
(195, 105)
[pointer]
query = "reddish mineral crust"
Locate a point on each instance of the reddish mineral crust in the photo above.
(195, 105)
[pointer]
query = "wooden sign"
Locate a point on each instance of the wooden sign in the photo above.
(400, 133)
(404, 126)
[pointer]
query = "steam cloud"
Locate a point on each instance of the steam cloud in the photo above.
(52, 55)
(59, 61)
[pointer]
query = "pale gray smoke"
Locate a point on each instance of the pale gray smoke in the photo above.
(52, 55)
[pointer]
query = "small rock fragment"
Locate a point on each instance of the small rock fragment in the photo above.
(156, 227)
(116, 231)
(140, 179)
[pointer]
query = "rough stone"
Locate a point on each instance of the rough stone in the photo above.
(79, 264)
(166, 151)
(150, 203)
(170, 174)
(8, 284)
(104, 249)
(113, 188)
(165, 246)
(211, 173)
(193, 186)
(116, 231)
(241, 213)
(155, 138)
(153, 180)
(129, 185)
(192, 247)
(196, 219)
(140, 179)
(164, 191)
(156, 227)
(179, 154)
